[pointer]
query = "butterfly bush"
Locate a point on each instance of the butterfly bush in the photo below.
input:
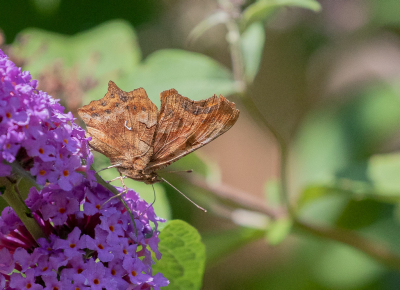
(90, 243)
(35, 131)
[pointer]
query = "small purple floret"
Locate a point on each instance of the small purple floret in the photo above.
(32, 121)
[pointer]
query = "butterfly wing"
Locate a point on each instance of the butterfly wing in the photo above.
(185, 125)
(122, 126)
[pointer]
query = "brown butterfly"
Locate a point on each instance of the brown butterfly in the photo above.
(139, 140)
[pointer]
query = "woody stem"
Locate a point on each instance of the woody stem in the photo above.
(233, 38)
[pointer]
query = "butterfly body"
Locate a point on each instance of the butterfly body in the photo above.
(140, 140)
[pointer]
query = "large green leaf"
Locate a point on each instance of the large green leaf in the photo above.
(110, 52)
(262, 9)
(326, 206)
(383, 183)
(223, 243)
(252, 41)
(194, 75)
(384, 172)
(183, 256)
(96, 56)
(341, 267)
(278, 230)
(384, 13)
(336, 142)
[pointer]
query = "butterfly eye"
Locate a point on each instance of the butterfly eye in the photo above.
(143, 109)
(112, 95)
(134, 107)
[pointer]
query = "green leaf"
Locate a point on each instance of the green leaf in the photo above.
(223, 243)
(262, 9)
(95, 56)
(252, 42)
(314, 192)
(342, 267)
(384, 172)
(183, 256)
(272, 191)
(384, 13)
(278, 230)
(194, 75)
(322, 203)
(383, 183)
(337, 141)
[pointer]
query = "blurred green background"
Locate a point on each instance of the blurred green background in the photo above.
(325, 77)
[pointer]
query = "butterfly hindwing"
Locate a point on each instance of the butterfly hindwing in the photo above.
(185, 125)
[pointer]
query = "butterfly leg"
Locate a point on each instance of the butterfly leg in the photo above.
(123, 184)
(111, 166)
(122, 192)
(154, 192)
(114, 179)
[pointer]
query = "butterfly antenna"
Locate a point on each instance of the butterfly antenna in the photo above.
(199, 207)
(176, 171)
(154, 192)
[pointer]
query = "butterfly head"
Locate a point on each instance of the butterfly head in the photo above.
(139, 175)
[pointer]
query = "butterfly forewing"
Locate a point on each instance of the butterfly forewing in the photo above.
(122, 126)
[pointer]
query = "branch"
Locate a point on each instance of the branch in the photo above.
(375, 249)
(233, 38)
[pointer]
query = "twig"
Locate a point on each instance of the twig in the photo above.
(238, 73)
(375, 249)
(283, 147)
(233, 38)
(237, 197)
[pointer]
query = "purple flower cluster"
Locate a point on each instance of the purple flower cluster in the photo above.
(89, 246)
(36, 133)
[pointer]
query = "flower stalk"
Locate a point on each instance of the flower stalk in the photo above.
(10, 193)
